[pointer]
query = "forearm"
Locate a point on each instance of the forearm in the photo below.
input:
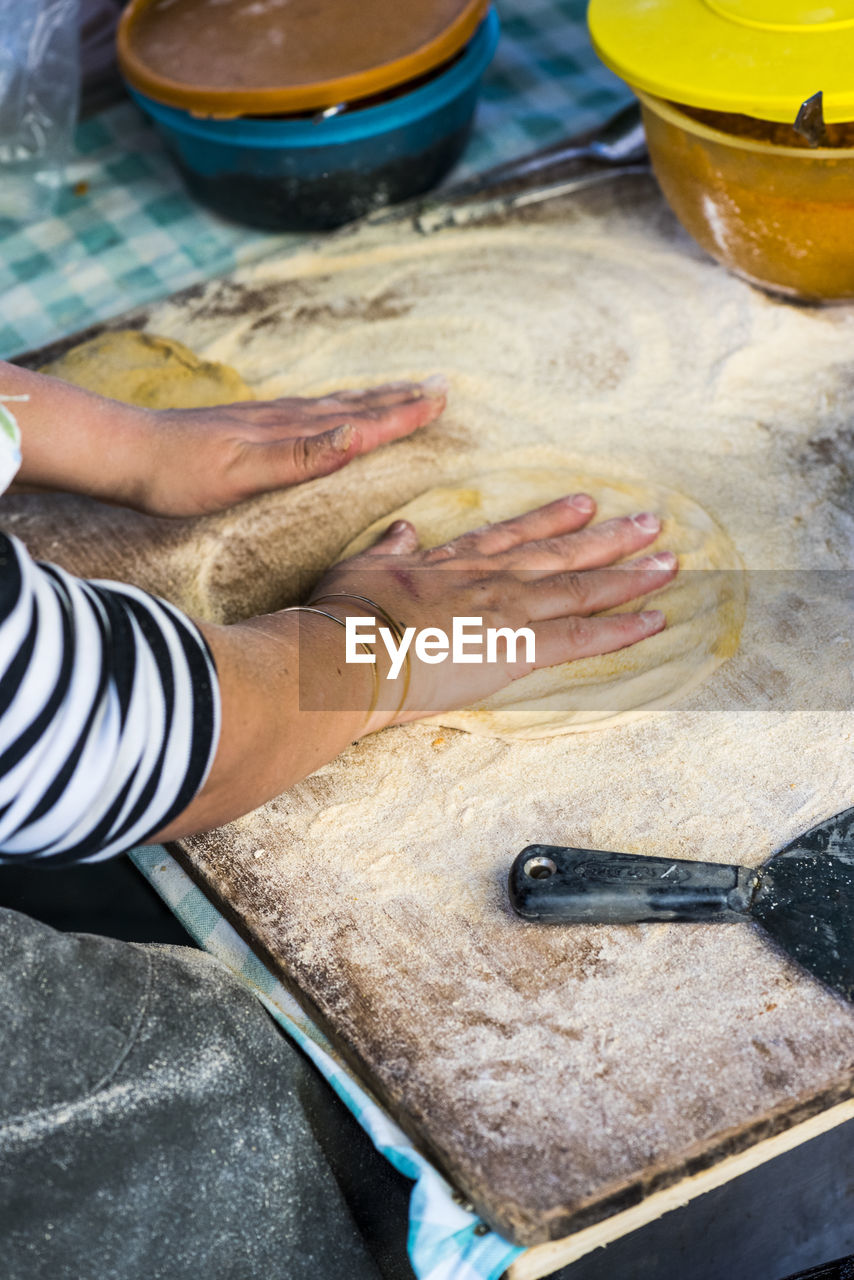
(289, 705)
(122, 723)
(188, 462)
(73, 440)
(109, 715)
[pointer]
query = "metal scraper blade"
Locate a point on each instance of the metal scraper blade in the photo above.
(803, 896)
(805, 901)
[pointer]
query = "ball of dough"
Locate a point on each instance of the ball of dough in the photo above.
(704, 605)
(153, 373)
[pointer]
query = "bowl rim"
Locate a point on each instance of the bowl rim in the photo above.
(460, 77)
(670, 112)
(227, 104)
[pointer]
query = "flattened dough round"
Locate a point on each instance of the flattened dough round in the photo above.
(151, 372)
(704, 606)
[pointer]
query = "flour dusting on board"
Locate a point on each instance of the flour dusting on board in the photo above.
(548, 1067)
(552, 1070)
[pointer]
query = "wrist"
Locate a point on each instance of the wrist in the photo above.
(288, 706)
(390, 689)
(314, 666)
(76, 441)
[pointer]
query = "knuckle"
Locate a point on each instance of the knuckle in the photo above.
(488, 596)
(472, 543)
(446, 552)
(513, 527)
(574, 586)
(313, 453)
(582, 632)
(304, 452)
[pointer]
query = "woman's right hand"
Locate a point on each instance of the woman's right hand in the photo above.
(550, 570)
(290, 702)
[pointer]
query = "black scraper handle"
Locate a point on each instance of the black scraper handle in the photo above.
(557, 884)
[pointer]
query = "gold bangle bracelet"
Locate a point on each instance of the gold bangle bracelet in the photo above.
(307, 608)
(397, 627)
(394, 626)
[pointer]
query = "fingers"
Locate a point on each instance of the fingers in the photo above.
(564, 515)
(378, 426)
(593, 547)
(290, 462)
(597, 590)
(391, 393)
(308, 456)
(349, 402)
(558, 536)
(568, 639)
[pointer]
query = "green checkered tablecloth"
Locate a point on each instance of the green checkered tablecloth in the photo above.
(126, 231)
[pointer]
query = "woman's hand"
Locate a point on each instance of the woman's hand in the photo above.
(291, 701)
(203, 460)
(549, 570)
(189, 462)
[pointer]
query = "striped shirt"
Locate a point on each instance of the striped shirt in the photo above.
(109, 710)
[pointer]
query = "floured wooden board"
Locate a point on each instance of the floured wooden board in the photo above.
(557, 1075)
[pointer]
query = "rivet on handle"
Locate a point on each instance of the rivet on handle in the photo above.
(540, 868)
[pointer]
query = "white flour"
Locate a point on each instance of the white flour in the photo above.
(548, 1065)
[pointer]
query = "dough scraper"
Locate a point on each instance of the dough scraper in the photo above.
(803, 896)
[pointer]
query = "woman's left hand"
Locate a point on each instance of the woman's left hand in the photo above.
(203, 460)
(191, 462)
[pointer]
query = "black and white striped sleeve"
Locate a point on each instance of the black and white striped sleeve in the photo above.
(109, 713)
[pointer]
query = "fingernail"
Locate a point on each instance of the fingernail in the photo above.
(653, 619)
(435, 386)
(342, 437)
(646, 521)
(661, 560)
(399, 526)
(581, 502)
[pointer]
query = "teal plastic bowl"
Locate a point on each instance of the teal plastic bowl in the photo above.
(310, 174)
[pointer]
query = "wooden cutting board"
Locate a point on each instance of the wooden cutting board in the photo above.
(558, 1076)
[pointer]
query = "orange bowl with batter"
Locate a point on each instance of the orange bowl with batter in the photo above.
(722, 83)
(755, 196)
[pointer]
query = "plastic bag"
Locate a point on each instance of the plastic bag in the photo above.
(39, 92)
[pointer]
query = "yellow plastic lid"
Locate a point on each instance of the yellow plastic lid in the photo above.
(230, 58)
(760, 58)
